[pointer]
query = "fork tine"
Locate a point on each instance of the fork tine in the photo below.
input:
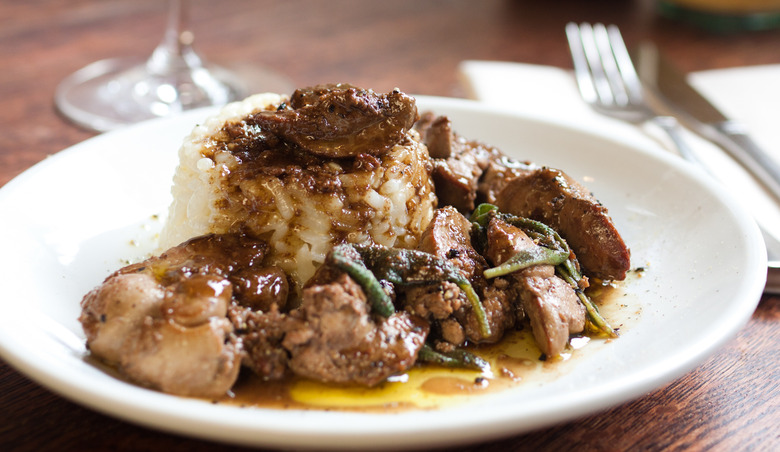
(627, 70)
(610, 65)
(581, 69)
(592, 55)
(600, 53)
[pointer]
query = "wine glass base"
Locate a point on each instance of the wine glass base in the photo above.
(114, 93)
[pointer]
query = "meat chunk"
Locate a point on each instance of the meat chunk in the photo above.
(236, 257)
(456, 180)
(261, 335)
(340, 120)
(436, 301)
(452, 333)
(173, 338)
(448, 236)
(222, 254)
(496, 175)
(551, 304)
(261, 289)
(164, 322)
(500, 312)
(554, 310)
(437, 135)
(458, 163)
(333, 338)
(552, 197)
(468, 171)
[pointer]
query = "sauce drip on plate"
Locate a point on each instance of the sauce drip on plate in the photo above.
(515, 362)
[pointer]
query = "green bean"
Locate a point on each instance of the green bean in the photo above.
(476, 306)
(482, 214)
(595, 318)
(380, 302)
(538, 255)
(414, 267)
(538, 231)
(457, 358)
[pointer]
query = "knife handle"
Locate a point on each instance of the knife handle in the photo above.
(733, 139)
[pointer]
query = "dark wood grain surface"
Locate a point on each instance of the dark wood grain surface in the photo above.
(730, 402)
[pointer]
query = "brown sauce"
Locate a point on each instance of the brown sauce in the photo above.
(515, 362)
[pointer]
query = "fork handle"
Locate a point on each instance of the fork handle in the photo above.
(671, 126)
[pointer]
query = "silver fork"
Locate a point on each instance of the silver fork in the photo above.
(609, 83)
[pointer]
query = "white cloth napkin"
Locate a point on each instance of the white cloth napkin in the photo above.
(750, 95)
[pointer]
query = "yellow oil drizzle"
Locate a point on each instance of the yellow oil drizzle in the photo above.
(514, 362)
(429, 387)
(404, 390)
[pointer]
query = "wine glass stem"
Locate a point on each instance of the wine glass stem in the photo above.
(174, 53)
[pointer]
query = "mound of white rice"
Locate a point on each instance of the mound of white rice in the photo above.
(390, 203)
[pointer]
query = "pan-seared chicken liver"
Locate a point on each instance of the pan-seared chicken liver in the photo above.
(339, 121)
(174, 338)
(467, 171)
(164, 322)
(458, 163)
(550, 303)
(552, 197)
(332, 337)
(448, 236)
(185, 322)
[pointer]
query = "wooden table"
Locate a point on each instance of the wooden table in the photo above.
(730, 402)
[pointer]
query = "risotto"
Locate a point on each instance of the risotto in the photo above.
(302, 204)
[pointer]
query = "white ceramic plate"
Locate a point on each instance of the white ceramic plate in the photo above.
(73, 218)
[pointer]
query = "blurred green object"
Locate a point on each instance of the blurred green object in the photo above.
(720, 20)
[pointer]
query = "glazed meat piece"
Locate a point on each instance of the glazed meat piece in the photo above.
(173, 337)
(223, 254)
(339, 120)
(496, 175)
(552, 307)
(437, 135)
(448, 236)
(261, 289)
(552, 197)
(458, 163)
(236, 257)
(332, 337)
(551, 304)
(163, 322)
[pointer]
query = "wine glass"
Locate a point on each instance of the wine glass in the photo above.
(113, 93)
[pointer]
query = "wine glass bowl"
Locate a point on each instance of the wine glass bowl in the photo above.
(113, 93)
